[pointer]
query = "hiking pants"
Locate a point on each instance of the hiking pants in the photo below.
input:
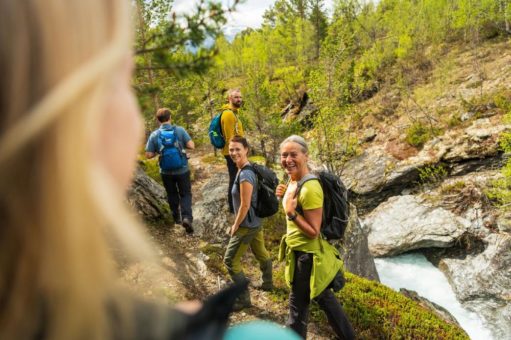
(233, 170)
(179, 195)
(238, 245)
(299, 300)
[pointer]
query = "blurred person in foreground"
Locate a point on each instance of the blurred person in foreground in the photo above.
(70, 129)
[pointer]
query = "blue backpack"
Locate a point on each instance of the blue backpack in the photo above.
(215, 132)
(171, 156)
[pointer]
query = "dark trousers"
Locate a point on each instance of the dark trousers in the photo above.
(179, 195)
(233, 170)
(299, 300)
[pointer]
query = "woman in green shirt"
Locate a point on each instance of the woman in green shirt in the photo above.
(312, 263)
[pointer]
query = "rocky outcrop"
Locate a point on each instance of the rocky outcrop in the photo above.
(435, 308)
(354, 249)
(211, 215)
(405, 223)
(483, 282)
(149, 199)
(376, 175)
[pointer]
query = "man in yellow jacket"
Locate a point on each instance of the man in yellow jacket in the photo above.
(231, 126)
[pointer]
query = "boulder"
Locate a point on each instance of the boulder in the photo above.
(405, 223)
(354, 249)
(483, 282)
(376, 175)
(149, 199)
(211, 217)
(433, 307)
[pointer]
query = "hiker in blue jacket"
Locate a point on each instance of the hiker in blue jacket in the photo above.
(174, 172)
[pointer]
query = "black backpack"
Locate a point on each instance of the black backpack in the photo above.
(336, 209)
(267, 181)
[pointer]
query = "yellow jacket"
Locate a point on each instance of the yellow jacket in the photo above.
(231, 126)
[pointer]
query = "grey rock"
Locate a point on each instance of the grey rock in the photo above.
(504, 223)
(405, 223)
(211, 216)
(149, 199)
(354, 249)
(467, 115)
(483, 282)
(375, 175)
(369, 135)
(433, 307)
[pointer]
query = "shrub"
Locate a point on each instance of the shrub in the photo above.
(151, 168)
(378, 312)
(432, 173)
(418, 134)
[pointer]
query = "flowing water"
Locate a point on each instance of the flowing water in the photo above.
(415, 272)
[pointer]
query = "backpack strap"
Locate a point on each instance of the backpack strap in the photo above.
(301, 182)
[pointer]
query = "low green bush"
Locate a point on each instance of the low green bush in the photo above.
(378, 312)
(418, 134)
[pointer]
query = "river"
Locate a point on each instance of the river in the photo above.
(415, 272)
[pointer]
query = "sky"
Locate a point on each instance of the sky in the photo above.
(248, 14)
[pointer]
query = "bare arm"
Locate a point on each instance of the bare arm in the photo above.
(310, 222)
(246, 198)
(150, 155)
(190, 145)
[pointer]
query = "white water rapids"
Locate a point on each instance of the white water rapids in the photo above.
(415, 272)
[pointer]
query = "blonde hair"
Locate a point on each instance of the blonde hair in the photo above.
(230, 92)
(57, 60)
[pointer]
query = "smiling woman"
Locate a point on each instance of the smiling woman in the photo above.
(312, 264)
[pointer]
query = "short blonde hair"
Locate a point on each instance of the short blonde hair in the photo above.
(57, 60)
(230, 92)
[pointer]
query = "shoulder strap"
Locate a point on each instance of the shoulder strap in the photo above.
(301, 182)
(304, 179)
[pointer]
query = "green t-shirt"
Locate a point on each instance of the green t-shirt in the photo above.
(310, 197)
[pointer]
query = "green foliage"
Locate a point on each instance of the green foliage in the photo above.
(432, 173)
(378, 312)
(453, 188)
(419, 133)
(500, 190)
(151, 168)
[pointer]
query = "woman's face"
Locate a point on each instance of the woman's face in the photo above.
(121, 130)
(293, 160)
(238, 153)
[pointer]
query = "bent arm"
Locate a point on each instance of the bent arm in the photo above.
(310, 222)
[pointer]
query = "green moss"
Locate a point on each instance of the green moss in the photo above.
(212, 159)
(418, 134)
(151, 168)
(378, 312)
(452, 188)
(215, 253)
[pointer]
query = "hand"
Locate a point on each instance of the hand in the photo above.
(281, 190)
(189, 307)
(234, 228)
(291, 201)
